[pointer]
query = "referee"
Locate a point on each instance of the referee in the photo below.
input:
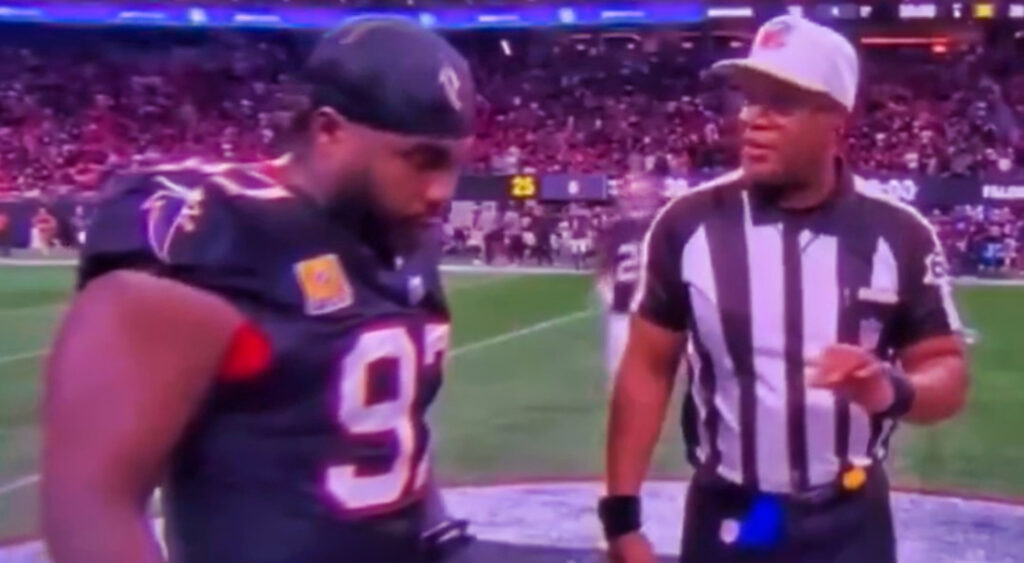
(814, 315)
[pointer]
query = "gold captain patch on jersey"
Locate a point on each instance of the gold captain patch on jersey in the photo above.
(325, 287)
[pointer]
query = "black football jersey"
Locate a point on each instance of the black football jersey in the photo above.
(323, 456)
(620, 249)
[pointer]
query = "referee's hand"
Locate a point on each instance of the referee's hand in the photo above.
(631, 548)
(856, 374)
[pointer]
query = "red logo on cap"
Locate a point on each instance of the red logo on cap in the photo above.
(774, 35)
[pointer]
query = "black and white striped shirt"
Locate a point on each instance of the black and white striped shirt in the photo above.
(760, 290)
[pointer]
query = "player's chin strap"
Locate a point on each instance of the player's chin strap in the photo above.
(444, 540)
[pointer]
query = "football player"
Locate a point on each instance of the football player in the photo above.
(619, 262)
(263, 341)
(579, 237)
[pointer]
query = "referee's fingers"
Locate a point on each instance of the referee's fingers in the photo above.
(871, 370)
(816, 376)
(834, 375)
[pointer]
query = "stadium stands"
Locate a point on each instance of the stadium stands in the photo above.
(73, 110)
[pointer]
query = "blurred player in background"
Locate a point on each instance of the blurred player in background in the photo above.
(79, 225)
(580, 237)
(528, 226)
(618, 270)
(5, 234)
(513, 227)
(44, 231)
(270, 356)
(544, 233)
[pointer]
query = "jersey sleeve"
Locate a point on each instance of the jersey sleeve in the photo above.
(661, 295)
(116, 238)
(165, 224)
(926, 305)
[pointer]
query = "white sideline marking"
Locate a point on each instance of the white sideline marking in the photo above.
(471, 347)
(929, 528)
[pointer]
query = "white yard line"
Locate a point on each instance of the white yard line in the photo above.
(32, 479)
(19, 483)
(476, 284)
(454, 287)
(484, 281)
(487, 342)
(33, 309)
(23, 356)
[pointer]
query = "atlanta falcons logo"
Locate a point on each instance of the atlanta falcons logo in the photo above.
(774, 36)
(169, 212)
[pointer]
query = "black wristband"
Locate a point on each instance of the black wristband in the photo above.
(620, 515)
(903, 394)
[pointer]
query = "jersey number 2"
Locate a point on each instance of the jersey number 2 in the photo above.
(628, 259)
(394, 416)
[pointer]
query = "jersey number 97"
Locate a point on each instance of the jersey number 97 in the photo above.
(392, 418)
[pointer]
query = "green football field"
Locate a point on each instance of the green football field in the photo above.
(524, 397)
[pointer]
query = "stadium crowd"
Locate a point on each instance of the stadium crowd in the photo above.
(69, 110)
(72, 111)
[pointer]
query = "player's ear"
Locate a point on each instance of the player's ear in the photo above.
(328, 126)
(836, 123)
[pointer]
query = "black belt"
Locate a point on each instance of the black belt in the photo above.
(813, 514)
(852, 482)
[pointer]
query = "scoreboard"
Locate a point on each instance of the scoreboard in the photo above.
(522, 186)
(545, 187)
(908, 10)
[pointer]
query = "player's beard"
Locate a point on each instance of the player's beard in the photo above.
(359, 206)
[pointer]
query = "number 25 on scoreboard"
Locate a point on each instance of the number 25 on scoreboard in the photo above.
(408, 471)
(524, 186)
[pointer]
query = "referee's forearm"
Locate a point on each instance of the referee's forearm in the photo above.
(940, 389)
(638, 407)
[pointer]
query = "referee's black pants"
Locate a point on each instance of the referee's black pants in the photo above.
(853, 527)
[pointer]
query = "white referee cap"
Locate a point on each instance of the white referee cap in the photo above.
(805, 54)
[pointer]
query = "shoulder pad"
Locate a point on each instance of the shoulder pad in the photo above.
(116, 236)
(152, 219)
(176, 217)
